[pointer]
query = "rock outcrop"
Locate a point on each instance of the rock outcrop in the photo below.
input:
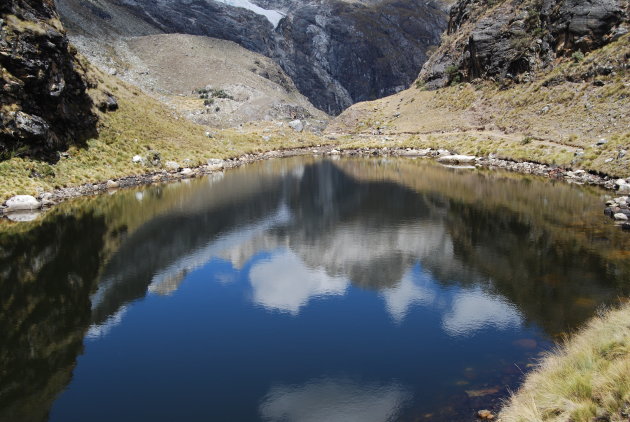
(513, 40)
(44, 106)
(337, 52)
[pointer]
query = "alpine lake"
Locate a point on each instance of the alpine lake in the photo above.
(301, 289)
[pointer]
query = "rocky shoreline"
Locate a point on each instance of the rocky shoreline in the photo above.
(27, 208)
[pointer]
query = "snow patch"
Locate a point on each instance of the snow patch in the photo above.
(272, 15)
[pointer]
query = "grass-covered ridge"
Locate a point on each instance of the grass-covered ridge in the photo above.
(141, 124)
(586, 379)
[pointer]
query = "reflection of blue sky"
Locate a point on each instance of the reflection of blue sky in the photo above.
(333, 400)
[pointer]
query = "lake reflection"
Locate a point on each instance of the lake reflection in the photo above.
(299, 290)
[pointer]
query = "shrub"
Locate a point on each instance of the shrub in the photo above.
(454, 76)
(577, 56)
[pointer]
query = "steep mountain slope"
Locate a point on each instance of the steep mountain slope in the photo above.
(337, 52)
(44, 106)
(567, 106)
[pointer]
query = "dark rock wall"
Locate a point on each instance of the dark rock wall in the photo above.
(341, 53)
(44, 106)
(513, 39)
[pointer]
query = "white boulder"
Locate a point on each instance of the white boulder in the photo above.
(215, 164)
(457, 159)
(22, 202)
(296, 125)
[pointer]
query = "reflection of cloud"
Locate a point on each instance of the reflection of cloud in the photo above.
(285, 283)
(334, 400)
(475, 310)
(407, 292)
(168, 279)
(101, 330)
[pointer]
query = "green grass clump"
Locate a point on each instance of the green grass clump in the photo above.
(586, 379)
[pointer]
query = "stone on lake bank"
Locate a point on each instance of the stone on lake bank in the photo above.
(457, 159)
(296, 125)
(215, 164)
(21, 203)
(620, 217)
(415, 152)
(172, 165)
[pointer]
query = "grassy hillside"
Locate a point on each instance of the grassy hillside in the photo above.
(140, 125)
(556, 119)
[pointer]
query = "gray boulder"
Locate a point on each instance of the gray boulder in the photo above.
(21, 203)
(457, 159)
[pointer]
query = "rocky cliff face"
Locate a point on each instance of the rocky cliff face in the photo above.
(337, 52)
(514, 39)
(43, 103)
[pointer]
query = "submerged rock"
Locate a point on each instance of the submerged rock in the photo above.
(485, 414)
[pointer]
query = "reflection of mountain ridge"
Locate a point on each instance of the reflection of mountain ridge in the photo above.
(45, 310)
(161, 240)
(368, 232)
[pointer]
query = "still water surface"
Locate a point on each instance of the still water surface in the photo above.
(299, 290)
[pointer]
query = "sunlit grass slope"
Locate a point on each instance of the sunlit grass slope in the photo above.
(587, 379)
(557, 118)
